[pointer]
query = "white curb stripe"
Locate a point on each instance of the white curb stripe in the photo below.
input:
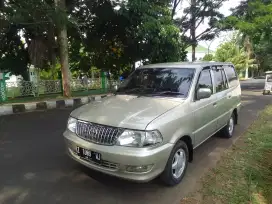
(51, 104)
(30, 106)
(84, 100)
(6, 110)
(97, 98)
(69, 102)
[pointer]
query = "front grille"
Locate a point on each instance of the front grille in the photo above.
(98, 134)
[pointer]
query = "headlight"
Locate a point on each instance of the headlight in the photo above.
(133, 138)
(71, 124)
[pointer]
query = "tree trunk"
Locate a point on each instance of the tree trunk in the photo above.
(248, 54)
(63, 47)
(193, 29)
(246, 73)
(51, 49)
(193, 53)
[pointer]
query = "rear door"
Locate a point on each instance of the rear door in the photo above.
(234, 93)
(222, 105)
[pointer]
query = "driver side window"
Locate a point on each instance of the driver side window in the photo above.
(205, 80)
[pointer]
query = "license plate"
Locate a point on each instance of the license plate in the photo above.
(89, 155)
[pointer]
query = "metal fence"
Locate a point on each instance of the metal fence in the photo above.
(28, 88)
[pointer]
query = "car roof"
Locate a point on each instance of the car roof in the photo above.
(193, 65)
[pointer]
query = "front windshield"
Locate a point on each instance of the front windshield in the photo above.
(174, 82)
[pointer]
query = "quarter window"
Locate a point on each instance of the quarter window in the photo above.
(231, 75)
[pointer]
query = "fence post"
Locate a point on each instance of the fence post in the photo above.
(3, 88)
(103, 80)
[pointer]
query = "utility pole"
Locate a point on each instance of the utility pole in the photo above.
(63, 45)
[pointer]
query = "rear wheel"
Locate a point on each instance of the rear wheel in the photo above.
(228, 130)
(176, 165)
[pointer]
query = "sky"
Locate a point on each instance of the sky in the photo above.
(225, 9)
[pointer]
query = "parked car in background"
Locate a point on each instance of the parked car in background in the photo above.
(268, 83)
(155, 120)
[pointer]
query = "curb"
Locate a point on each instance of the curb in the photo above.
(47, 105)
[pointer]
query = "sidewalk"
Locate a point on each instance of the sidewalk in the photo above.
(13, 108)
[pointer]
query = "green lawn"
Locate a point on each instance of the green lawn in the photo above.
(244, 174)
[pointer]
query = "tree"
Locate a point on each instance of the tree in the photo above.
(154, 35)
(231, 52)
(175, 4)
(63, 47)
(134, 32)
(194, 15)
(25, 33)
(33, 36)
(208, 57)
(131, 31)
(254, 20)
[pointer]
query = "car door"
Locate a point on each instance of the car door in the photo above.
(222, 105)
(203, 110)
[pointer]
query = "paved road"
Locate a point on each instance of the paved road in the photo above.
(35, 169)
(253, 84)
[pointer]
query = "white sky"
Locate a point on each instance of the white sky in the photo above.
(225, 9)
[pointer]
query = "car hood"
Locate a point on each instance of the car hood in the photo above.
(125, 111)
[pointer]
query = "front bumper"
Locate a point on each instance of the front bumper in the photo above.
(116, 159)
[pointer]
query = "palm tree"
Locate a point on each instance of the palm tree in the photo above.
(239, 52)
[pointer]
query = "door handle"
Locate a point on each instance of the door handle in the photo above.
(214, 104)
(229, 96)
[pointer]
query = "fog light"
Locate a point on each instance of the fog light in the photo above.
(139, 169)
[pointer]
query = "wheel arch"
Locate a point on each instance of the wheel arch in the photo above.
(235, 112)
(188, 141)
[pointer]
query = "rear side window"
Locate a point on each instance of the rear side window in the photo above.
(231, 75)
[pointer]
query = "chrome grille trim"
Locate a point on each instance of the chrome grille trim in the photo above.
(96, 133)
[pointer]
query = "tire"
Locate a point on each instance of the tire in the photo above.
(228, 130)
(171, 177)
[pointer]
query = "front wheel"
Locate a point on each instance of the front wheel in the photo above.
(176, 165)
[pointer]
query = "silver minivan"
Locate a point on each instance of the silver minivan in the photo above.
(155, 120)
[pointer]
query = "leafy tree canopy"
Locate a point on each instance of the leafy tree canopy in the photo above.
(208, 57)
(110, 35)
(232, 52)
(253, 18)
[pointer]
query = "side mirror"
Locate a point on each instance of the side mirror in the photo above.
(203, 93)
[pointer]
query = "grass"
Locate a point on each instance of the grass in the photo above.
(244, 174)
(44, 97)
